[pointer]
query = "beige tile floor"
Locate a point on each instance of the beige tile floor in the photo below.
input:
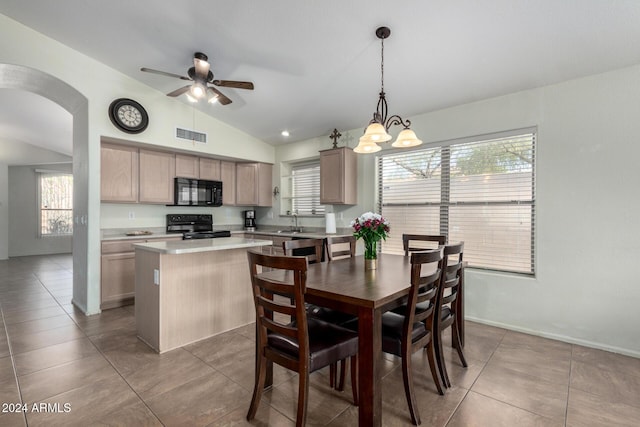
(82, 371)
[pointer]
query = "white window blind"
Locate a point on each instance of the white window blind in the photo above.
(305, 189)
(478, 190)
(56, 203)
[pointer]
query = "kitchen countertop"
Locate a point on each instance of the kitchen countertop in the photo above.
(311, 234)
(177, 247)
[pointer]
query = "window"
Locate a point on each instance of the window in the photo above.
(305, 189)
(56, 204)
(477, 190)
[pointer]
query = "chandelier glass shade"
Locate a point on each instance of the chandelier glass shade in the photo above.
(377, 130)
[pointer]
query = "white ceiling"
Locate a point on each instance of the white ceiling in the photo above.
(316, 64)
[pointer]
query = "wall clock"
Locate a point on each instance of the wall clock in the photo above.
(128, 115)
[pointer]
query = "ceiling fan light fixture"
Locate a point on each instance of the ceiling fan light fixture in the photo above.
(213, 98)
(197, 90)
(191, 98)
(406, 138)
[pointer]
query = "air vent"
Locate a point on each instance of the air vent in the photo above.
(191, 135)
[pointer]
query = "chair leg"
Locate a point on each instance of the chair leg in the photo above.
(261, 375)
(442, 367)
(343, 373)
(332, 375)
(457, 343)
(431, 354)
(354, 379)
(303, 394)
(407, 377)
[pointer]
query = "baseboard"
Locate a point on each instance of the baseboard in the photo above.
(557, 337)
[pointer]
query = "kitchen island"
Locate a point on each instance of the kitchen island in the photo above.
(188, 290)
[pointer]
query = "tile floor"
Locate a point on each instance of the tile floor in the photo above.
(82, 371)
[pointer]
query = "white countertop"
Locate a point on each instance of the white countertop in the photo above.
(123, 236)
(177, 247)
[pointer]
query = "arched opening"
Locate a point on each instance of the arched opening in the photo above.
(54, 89)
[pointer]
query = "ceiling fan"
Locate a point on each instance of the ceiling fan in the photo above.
(201, 75)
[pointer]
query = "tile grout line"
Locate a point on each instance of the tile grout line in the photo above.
(13, 364)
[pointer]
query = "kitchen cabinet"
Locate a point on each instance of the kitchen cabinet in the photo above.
(338, 177)
(157, 170)
(253, 184)
(209, 169)
(187, 166)
(228, 178)
(118, 173)
(118, 271)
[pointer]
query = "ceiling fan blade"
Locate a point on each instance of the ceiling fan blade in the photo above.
(180, 91)
(221, 98)
(233, 83)
(164, 73)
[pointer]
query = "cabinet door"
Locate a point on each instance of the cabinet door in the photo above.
(264, 188)
(228, 178)
(157, 170)
(118, 276)
(210, 170)
(338, 176)
(118, 173)
(187, 166)
(246, 191)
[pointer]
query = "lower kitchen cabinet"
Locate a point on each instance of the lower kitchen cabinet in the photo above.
(118, 271)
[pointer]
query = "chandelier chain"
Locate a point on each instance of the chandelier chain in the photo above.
(382, 67)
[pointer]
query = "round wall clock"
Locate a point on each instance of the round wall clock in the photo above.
(128, 115)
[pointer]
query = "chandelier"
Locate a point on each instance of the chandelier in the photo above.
(377, 130)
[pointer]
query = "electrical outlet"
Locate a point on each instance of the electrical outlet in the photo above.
(156, 276)
(270, 215)
(340, 216)
(132, 215)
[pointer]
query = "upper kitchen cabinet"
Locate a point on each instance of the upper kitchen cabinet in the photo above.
(118, 173)
(209, 169)
(187, 166)
(228, 178)
(157, 170)
(253, 184)
(338, 177)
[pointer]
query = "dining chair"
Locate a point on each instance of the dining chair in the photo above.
(404, 334)
(303, 345)
(452, 270)
(313, 250)
(337, 247)
(407, 240)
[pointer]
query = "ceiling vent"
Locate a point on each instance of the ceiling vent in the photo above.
(191, 135)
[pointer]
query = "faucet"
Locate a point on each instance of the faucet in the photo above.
(295, 220)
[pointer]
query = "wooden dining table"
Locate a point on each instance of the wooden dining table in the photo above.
(345, 285)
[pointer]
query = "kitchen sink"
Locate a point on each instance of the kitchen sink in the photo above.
(287, 232)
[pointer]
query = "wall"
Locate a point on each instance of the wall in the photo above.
(4, 211)
(23, 214)
(585, 290)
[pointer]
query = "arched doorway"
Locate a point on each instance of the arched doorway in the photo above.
(54, 89)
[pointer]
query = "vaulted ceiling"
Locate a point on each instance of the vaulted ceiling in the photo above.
(316, 65)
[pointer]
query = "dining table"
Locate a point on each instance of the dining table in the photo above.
(347, 286)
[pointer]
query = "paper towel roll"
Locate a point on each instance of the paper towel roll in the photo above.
(330, 223)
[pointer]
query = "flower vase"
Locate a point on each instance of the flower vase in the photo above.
(370, 264)
(370, 254)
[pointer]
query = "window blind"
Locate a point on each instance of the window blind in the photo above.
(478, 190)
(305, 189)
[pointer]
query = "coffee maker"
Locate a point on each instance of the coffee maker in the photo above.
(249, 220)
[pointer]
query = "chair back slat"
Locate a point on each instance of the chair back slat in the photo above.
(421, 242)
(451, 276)
(340, 247)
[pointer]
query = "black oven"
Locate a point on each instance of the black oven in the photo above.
(197, 192)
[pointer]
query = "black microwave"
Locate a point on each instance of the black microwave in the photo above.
(197, 192)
